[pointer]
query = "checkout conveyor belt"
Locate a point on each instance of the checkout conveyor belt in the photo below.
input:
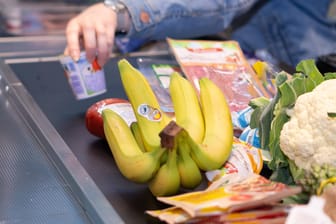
(46, 83)
(41, 180)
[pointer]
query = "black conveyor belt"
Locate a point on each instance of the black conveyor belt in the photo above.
(48, 86)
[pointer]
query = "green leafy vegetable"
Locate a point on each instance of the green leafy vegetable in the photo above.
(270, 116)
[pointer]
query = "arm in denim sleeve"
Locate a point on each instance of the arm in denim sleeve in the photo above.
(156, 20)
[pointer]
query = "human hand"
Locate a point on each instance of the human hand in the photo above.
(93, 29)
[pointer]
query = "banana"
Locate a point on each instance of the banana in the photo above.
(218, 137)
(166, 181)
(146, 107)
(133, 163)
(187, 107)
(190, 174)
(137, 135)
(138, 138)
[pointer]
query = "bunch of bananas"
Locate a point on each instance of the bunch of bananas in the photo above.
(202, 143)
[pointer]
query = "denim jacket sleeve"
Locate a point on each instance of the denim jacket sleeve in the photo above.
(155, 20)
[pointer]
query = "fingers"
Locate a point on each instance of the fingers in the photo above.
(90, 42)
(73, 32)
(96, 26)
(104, 44)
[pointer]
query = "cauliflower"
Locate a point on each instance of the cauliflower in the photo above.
(298, 128)
(309, 136)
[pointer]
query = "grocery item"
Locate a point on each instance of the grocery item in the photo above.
(158, 72)
(312, 142)
(137, 135)
(190, 173)
(211, 153)
(150, 117)
(188, 114)
(250, 136)
(224, 63)
(241, 119)
(218, 137)
(244, 161)
(187, 109)
(93, 117)
(85, 79)
(268, 214)
(265, 72)
(132, 162)
(167, 180)
(154, 135)
(233, 196)
(294, 159)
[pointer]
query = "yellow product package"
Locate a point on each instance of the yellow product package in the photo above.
(265, 214)
(245, 160)
(253, 192)
(170, 215)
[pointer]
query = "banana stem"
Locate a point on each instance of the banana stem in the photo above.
(168, 135)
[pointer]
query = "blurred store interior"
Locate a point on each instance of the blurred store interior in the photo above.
(35, 27)
(26, 18)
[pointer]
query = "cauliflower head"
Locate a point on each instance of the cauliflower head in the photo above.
(309, 137)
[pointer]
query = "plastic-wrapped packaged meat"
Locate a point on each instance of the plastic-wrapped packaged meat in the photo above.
(224, 63)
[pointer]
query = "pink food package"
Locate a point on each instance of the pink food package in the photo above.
(224, 63)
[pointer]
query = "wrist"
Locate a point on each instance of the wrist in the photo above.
(123, 16)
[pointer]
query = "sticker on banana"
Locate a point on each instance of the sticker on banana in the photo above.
(151, 119)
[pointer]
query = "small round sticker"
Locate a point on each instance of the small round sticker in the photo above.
(149, 112)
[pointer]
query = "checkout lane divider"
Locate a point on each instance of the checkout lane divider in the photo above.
(56, 58)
